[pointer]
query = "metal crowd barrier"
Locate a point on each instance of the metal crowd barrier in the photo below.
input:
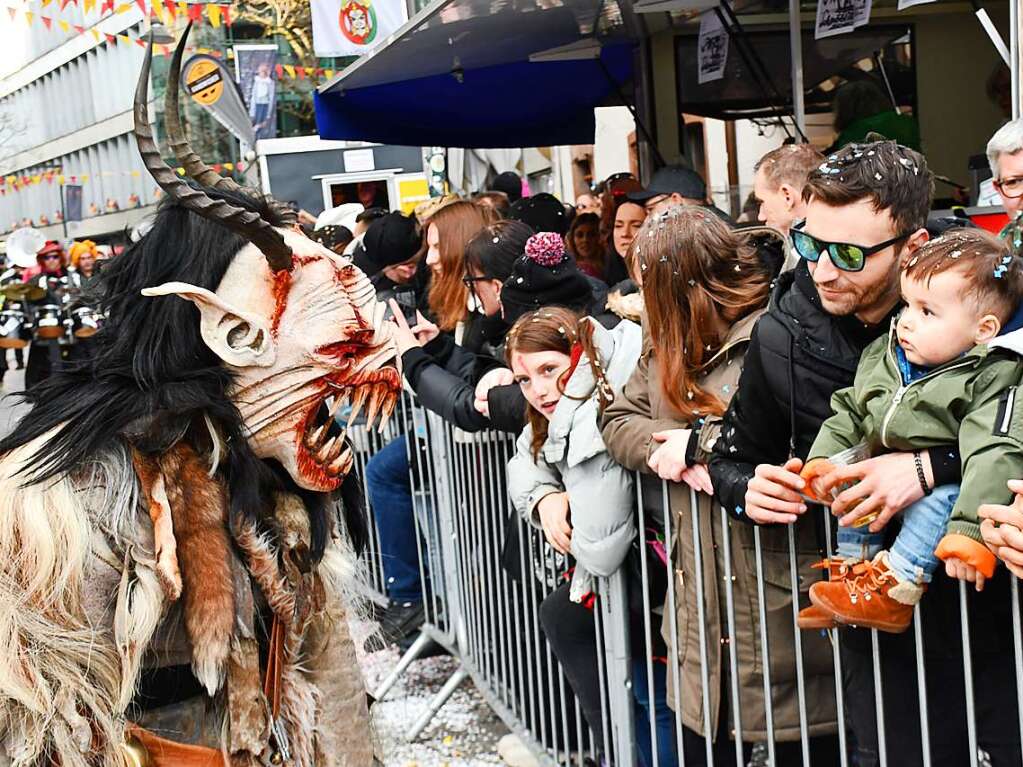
(482, 604)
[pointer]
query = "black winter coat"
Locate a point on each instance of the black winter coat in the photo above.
(798, 357)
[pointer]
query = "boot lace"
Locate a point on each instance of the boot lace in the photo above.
(870, 581)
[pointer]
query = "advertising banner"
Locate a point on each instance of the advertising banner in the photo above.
(207, 81)
(256, 69)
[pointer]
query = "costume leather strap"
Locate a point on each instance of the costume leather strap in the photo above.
(275, 667)
(144, 749)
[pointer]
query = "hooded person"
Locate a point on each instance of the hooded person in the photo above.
(392, 246)
(179, 522)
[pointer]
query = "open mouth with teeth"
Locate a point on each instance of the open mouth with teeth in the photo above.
(324, 451)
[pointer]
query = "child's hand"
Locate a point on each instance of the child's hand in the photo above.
(955, 568)
(554, 519)
(815, 473)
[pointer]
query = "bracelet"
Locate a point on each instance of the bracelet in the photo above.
(920, 475)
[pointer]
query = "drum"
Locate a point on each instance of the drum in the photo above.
(15, 328)
(49, 322)
(85, 321)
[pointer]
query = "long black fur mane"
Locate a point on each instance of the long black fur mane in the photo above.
(151, 379)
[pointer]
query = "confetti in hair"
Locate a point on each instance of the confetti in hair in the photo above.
(546, 249)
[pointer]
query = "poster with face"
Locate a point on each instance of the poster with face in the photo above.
(256, 70)
(354, 27)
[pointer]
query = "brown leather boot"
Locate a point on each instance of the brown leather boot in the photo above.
(874, 598)
(813, 618)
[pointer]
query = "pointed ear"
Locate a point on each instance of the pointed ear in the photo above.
(239, 338)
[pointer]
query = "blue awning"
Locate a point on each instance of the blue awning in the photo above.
(485, 73)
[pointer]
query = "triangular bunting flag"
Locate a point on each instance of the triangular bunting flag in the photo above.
(88, 5)
(124, 39)
(85, 177)
(47, 21)
(225, 11)
(108, 5)
(213, 12)
(110, 38)
(12, 11)
(142, 6)
(95, 34)
(164, 50)
(329, 73)
(46, 3)
(301, 72)
(172, 9)
(29, 16)
(122, 8)
(182, 8)
(64, 26)
(79, 30)
(280, 71)
(290, 70)
(63, 4)
(195, 12)
(228, 166)
(140, 42)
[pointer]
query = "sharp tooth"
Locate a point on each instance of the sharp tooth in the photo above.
(334, 447)
(378, 392)
(358, 399)
(335, 405)
(325, 453)
(343, 463)
(389, 403)
(316, 436)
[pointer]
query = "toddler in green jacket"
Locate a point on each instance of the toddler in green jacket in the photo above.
(943, 375)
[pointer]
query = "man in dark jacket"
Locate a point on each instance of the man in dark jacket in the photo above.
(822, 315)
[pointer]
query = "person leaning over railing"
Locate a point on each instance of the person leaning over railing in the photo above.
(561, 478)
(704, 286)
(822, 316)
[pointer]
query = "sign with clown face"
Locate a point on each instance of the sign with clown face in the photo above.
(353, 27)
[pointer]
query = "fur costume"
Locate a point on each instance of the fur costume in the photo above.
(177, 523)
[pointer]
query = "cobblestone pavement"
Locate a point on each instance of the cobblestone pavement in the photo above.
(463, 733)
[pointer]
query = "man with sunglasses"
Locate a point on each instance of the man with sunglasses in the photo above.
(866, 210)
(1005, 156)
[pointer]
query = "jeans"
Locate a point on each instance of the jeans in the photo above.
(923, 526)
(663, 716)
(389, 486)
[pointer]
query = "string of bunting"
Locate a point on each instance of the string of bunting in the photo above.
(165, 11)
(10, 184)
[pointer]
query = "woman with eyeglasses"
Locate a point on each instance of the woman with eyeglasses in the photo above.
(447, 386)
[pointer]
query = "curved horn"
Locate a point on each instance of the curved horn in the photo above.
(189, 159)
(239, 220)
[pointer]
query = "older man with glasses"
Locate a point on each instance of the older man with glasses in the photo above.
(1005, 155)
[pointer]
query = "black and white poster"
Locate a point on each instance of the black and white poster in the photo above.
(836, 17)
(713, 48)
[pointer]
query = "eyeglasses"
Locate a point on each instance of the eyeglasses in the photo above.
(1010, 187)
(51, 257)
(844, 255)
(469, 281)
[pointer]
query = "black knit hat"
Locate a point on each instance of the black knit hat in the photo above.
(390, 240)
(544, 212)
(544, 276)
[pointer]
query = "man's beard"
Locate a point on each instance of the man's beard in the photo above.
(855, 299)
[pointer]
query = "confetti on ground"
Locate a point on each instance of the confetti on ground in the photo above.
(464, 732)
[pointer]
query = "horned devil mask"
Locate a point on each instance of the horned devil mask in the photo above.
(298, 325)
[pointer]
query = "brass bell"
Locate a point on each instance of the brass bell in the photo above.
(134, 752)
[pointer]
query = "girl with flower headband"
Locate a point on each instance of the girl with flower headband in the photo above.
(704, 285)
(562, 479)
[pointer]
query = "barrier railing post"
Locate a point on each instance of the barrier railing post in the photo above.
(798, 639)
(733, 657)
(764, 648)
(701, 613)
(971, 716)
(614, 608)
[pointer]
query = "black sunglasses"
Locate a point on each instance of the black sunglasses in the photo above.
(469, 281)
(844, 255)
